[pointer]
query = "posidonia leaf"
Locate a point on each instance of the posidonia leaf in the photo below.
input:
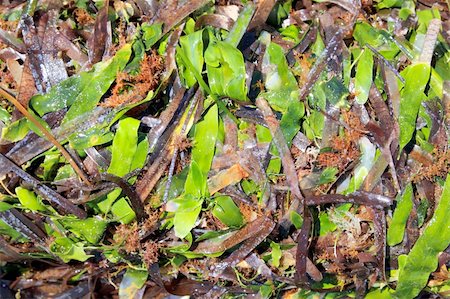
(205, 137)
(240, 26)
(82, 92)
(132, 281)
(16, 131)
(68, 250)
(5, 206)
(124, 147)
(4, 115)
(151, 34)
(29, 200)
(192, 46)
(89, 229)
(195, 181)
(363, 78)
(396, 229)
(276, 254)
(226, 70)
(366, 34)
(416, 77)
(227, 212)
(190, 203)
(189, 208)
(281, 85)
(423, 257)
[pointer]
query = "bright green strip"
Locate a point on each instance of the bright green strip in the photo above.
(423, 258)
(124, 147)
(416, 77)
(241, 24)
(396, 229)
(363, 78)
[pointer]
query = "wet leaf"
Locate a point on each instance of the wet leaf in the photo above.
(276, 254)
(78, 91)
(416, 76)
(186, 215)
(29, 200)
(363, 78)
(124, 147)
(423, 257)
(151, 34)
(16, 131)
(227, 212)
(279, 81)
(205, 137)
(132, 281)
(397, 226)
(68, 250)
(366, 34)
(226, 70)
(192, 47)
(89, 229)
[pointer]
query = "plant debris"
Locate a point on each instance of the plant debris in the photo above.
(221, 149)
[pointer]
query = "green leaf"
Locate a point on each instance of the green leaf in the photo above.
(328, 175)
(5, 206)
(68, 250)
(389, 3)
(423, 257)
(227, 212)
(186, 215)
(90, 229)
(132, 281)
(241, 24)
(281, 85)
(124, 147)
(49, 165)
(91, 94)
(195, 181)
(151, 34)
(333, 91)
(29, 200)
(364, 34)
(192, 47)
(416, 77)
(126, 156)
(122, 210)
(363, 77)
(385, 293)
(226, 70)
(7, 230)
(276, 254)
(82, 91)
(296, 219)
(205, 137)
(4, 115)
(16, 131)
(397, 227)
(290, 121)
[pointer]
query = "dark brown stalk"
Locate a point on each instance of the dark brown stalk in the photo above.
(358, 197)
(285, 155)
(327, 55)
(238, 255)
(301, 256)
